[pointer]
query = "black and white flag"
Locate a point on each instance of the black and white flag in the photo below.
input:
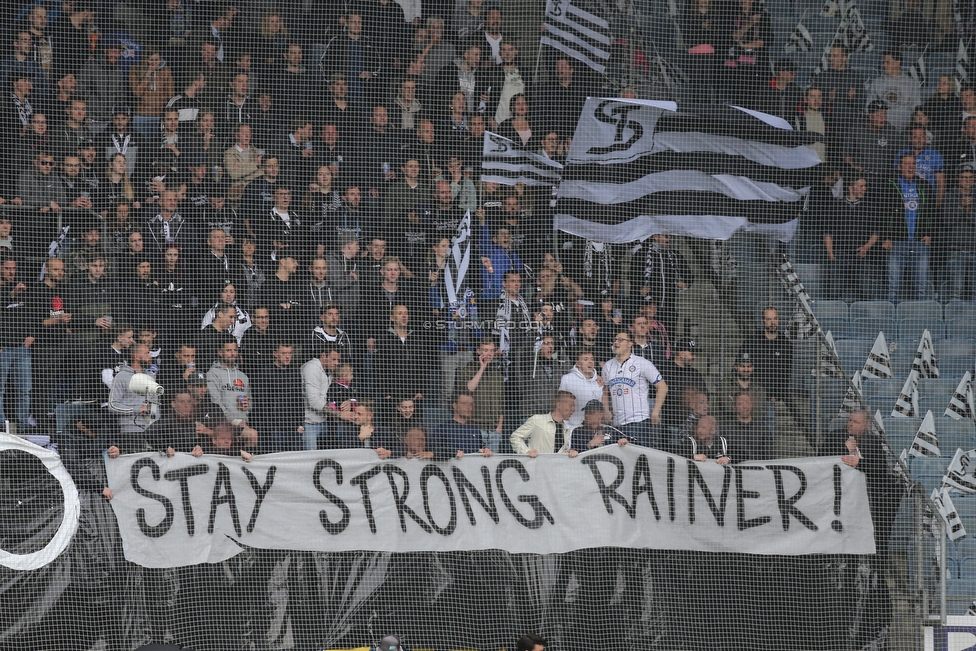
(962, 404)
(504, 163)
(853, 34)
(878, 363)
(907, 404)
(577, 33)
(925, 362)
(833, 8)
(962, 63)
(853, 401)
(960, 473)
(800, 40)
(971, 611)
(829, 365)
(640, 167)
(917, 70)
(926, 443)
(943, 503)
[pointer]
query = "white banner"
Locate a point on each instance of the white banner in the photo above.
(184, 510)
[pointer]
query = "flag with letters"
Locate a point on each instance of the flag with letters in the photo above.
(640, 167)
(577, 33)
(959, 475)
(943, 503)
(829, 361)
(800, 40)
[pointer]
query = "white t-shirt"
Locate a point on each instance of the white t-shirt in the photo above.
(629, 386)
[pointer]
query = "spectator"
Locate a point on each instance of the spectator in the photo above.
(584, 383)
(175, 374)
(353, 52)
(962, 234)
(781, 96)
(280, 229)
(901, 92)
(228, 298)
(507, 83)
(17, 329)
(412, 445)
(493, 37)
(243, 163)
(665, 275)
(407, 105)
(151, 81)
(872, 146)
(178, 427)
(238, 107)
(465, 75)
(21, 65)
(813, 117)
(344, 270)
(928, 162)
(518, 127)
(850, 233)
(38, 188)
(628, 380)
(459, 436)
(401, 359)
(593, 432)
(542, 433)
(706, 444)
(751, 437)
(135, 413)
(546, 377)
(278, 389)
(168, 226)
(330, 333)
(843, 88)
(740, 381)
(407, 416)
(748, 58)
(680, 375)
(316, 378)
(229, 387)
(943, 112)
(908, 228)
(259, 342)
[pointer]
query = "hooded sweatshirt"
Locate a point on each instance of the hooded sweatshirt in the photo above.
(225, 386)
(584, 390)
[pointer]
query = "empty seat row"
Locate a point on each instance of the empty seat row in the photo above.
(903, 311)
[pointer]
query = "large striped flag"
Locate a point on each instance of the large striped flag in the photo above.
(577, 33)
(503, 162)
(639, 167)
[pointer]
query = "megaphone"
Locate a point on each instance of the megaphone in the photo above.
(143, 385)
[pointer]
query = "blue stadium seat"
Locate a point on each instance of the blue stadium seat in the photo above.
(881, 387)
(955, 434)
(837, 327)
(900, 431)
(945, 347)
(869, 327)
(960, 309)
(919, 310)
(913, 329)
(928, 472)
(955, 366)
(833, 309)
(936, 387)
(810, 276)
(936, 404)
(873, 310)
(858, 348)
(961, 328)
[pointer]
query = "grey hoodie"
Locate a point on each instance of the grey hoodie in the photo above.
(225, 386)
(103, 86)
(126, 403)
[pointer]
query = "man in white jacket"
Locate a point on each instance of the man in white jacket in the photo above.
(547, 433)
(316, 380)
(584, 383)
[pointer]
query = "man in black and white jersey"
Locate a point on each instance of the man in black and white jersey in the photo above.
(628, 379)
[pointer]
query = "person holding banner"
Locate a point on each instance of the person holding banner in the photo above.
(459, 436)
(704, 444)
(541, 433)
(628, 379)
(593, 433)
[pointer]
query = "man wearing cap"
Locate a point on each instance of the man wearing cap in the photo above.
(594, 433)
(928, 162)
(872, 143)
(900, 92)
(680, 376)
(546, 433)
(628, 379)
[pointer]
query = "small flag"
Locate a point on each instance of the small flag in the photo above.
(879, 421)
(960, 473)
(918, 71)
(926, 443)
(900, 469)
(853, 33)
(669, 72)
(925, 362)
(504, 163)
(971, 611)
(962, 63)
(799, 40)
(833, 9)
(907, 404)
(577, 33)
(928, 517)
(878, 364)
(853, 401)
(954, 528)
(962, 404)
(829, 362)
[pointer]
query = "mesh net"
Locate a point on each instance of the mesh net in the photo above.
(330, 322)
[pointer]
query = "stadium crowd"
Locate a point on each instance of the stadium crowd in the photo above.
(260, 211)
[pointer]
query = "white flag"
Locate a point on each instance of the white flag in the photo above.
(954, 528)
(926, 443)
(971, 611)
(918, 72)
(833, 8)
(829, 362)
(800, 39)
(907, 404)
(878, 364)
(960, 473)
(853, 401)
(577, 33)
(925, 362)
(900, 470)
(854, 34)
(962, 405)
